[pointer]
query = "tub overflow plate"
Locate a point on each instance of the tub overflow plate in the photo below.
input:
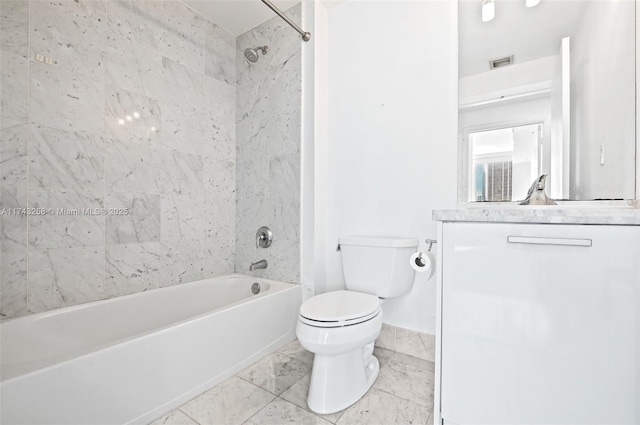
(255, 288)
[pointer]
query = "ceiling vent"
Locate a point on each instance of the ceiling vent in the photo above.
(497, 63)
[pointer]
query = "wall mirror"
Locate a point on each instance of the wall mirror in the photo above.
(547, 86)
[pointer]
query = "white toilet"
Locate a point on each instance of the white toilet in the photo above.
(340, 327)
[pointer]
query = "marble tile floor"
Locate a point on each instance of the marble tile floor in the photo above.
(273, 391)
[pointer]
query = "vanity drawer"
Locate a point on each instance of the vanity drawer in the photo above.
(540, 323)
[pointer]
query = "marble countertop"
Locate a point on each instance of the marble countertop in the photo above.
(543, 215)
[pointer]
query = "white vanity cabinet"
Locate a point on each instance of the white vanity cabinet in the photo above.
(539, 324)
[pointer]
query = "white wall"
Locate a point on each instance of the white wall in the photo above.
(603, 102)
(637, 144)
(525, 160)
(389, 156)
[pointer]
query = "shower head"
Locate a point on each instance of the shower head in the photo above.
(252, 54)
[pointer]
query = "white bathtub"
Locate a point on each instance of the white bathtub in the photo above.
(133, 358)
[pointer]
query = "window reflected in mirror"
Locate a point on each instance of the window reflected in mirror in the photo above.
(504, 162)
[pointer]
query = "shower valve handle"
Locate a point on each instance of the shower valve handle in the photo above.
(264, 237)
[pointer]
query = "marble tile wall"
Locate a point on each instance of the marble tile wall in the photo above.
(136, 111)
(268, 148)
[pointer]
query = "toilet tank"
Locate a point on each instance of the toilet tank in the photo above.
(378, 265)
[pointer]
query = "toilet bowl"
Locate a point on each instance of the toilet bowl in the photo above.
(341, 327)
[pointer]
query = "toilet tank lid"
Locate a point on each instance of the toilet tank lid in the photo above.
(383, 241)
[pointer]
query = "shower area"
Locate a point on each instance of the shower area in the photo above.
(142, 146)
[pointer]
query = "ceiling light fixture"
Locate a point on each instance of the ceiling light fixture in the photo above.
(532, 3)
(489, 10)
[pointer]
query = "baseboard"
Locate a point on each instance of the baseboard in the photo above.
(407, 341)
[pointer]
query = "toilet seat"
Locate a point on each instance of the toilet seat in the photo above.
(339, 308)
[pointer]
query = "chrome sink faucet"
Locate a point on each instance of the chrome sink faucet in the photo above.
(262, 264)
(536, 194)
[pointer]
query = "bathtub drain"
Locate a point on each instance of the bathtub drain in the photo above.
(255, 288)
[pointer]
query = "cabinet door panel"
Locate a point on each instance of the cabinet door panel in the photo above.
(540, 332)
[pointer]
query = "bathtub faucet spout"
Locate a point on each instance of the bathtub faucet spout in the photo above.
(262, 264)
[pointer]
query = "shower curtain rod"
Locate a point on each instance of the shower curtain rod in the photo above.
(305, 35)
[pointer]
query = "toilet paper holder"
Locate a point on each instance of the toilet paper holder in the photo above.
(424, 261)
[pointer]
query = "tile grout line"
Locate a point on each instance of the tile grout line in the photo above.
(260, 410)
(279, 396)
(104, 152)
(309, 411)
(186, 414)
(27, 156)
(402, 398)
(269, 391)
(162, 50)
(258, 386)
(393, 358)
(314, 413)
